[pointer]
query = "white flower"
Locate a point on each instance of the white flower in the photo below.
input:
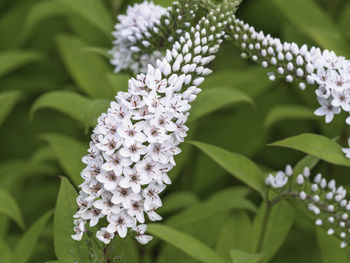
(134, 179)
(79, 228)
(277, 181)
(341, 99)
(141, 237)
(327, 109)
(124, 196)
(104, 235)
(120, 223)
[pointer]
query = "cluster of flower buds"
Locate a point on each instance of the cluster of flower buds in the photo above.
(146, 31)
(134, 143)
(329, 73)
(322, 198)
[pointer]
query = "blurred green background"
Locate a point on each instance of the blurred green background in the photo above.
(55, 79)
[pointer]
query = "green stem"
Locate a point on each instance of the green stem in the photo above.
(264, 226)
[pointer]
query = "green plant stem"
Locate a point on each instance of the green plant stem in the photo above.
(264, 226)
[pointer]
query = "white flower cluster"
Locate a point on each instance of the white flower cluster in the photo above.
(324, 199)
(134, 143)
(329, 72)
(146, 31)
(132, 27)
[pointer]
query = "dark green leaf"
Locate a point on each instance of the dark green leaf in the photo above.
(287, 112)
(7, 101)
(6, 254)
(186, 243)
(28, 241)
(14, 59)
(313, 21)
(214, 99)
(9, 207)
(237, 165)
(316, 145)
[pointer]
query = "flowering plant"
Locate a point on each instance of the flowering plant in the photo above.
(150, 128)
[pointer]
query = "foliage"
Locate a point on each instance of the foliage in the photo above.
(56, 79)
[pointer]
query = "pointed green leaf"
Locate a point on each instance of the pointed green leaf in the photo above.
(309, 18)
(288, 112)
(186, 243)
(9, 207)
(6, 254)
(67, 102)
(14, 59)
(271, 227)
(214, 99)
(66, 248)
(28, 241)
(8, 100)
(237, 165)
(316, 145)
(178, 201)
(87, 69)
(217, 204)
(93, 11)
(239, 256)
(330, 248)
(69, 152)
(93, 110)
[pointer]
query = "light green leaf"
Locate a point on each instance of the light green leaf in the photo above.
(271, 227)
(28, 241)
(66, 248)
(239, 256)
(177, 201)
(308, 161)
(310, 19)
(237, 165)
(287, 112)
(226, 200)
(186, 243)
(93, 11)
(330, 248)
(87, 69)
(9, 207)
(8, 100)
(316, 145)
(6, 254)
(14, 59)
(69, 152)
(67, 102)
(214, 99)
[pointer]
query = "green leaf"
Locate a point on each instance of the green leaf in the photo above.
(237, 165)
(67, 102)
(294, 112)
(118, 81)
(69, 152)
(236, 232)
(310, 19)
(330, 248)
(239, 256)
(93, 11)
(14, 59)
(214, 99)
(6, 254)
(316, 145)
(217, 204)
(8, 100)
(178, 201)
(271, 227)
(87, 69)
(66, 248)
(186, 243)
(41, 11)
(28, 241)
(308, 161)
(9, 207)
(93, 110)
